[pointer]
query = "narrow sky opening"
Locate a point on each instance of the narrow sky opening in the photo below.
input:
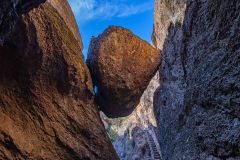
(94, 16)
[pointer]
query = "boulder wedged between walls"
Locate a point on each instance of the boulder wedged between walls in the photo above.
(121, 65)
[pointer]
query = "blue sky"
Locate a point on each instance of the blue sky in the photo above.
(94, 16)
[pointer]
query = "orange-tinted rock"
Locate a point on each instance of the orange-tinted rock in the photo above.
(47, 108)
(67, 14)
(122, 66)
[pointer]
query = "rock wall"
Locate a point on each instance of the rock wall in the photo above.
(47, 108)
(10, 10)
(67, 14)
(167, 12)
(197, 104)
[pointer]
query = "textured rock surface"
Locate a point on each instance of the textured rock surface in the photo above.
(197, 105)
(133, 145)
(10, 10)
(47, 108)
(128, 133)
(122, 66)
(68, 17)
(167, 12)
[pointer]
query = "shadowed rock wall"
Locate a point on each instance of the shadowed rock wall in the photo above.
(197, 104)
(10, 10)
(47, 108)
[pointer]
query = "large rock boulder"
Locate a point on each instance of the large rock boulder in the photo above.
(122, 66)
(10, 11)
(197, 104)
(47, 108)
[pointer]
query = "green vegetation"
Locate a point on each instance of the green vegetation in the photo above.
(112, 134)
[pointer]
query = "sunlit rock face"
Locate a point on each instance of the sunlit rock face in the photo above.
(47, 108)
(121, 65)
(68, 17)
(10, 11)
(167, 13)
(197, 104)
(128, 134)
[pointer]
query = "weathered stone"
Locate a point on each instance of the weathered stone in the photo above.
(167, 12)
(122, 66)
(129, 143)
(47, 108)
(197, 104)
(10, 10)
(67, 14)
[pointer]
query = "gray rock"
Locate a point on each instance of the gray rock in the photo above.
(197, 104)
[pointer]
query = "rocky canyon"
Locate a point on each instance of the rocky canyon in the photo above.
(47, 108)
(197, 103)
(175, 99)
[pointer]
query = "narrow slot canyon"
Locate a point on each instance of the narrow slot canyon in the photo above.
(118, 79)
(129, 135)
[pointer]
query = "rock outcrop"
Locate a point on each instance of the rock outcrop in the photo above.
(197, 104)
(10, 10)
(47, 108)
(121, 65)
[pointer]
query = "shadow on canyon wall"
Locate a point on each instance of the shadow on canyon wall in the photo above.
(197, 103)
